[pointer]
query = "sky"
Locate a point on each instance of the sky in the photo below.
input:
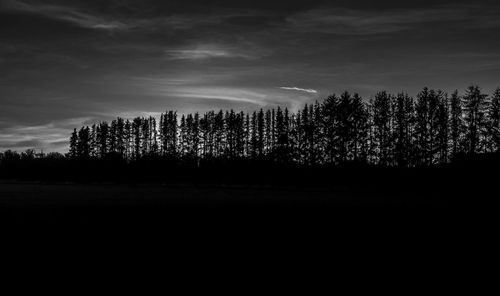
(67, 63)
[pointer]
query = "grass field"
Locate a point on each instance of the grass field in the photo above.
(14, 194)
(84, 202)
(219, 221)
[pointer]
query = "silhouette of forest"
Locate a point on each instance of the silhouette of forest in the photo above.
(343, 140)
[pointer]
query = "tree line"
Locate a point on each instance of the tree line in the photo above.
(388, 130)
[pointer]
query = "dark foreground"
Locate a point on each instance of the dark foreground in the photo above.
(239, 228)
(180, 206)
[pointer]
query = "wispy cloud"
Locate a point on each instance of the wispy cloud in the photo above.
(222, 93)
(307, 90)
(198, 54)
(52, 136)
(64, 13)
(204, 52)
(355, 22)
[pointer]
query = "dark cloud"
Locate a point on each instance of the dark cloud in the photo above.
(24, 144)
(355, 22)
(67, 63)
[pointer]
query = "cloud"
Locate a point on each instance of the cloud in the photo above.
(222, 98)
(52, 136)
(221, 93)
(307, 90)
(358, 22)
(204, 52)
(26, 144)
(67, 14)
(198, 54)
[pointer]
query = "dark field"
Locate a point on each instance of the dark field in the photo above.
(15, 194)
(88, 204)
(259, 224)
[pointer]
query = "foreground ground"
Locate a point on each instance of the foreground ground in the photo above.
(14, 194)
(259, 224)
(135, 204)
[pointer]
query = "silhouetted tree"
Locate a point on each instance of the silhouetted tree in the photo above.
(145, 136)
(83, 143)
(330, 122)
(389, 130)
(113, 137)
(102, 138)
(494, 121)
(381, 107)
(195, 133)
(422, 125)
(127, 139)
(295, 138)
(268, 141)
(254, 137)
(475, 106)
(120, 136)
(94, 147)
(136, 135)
(206, 135)
(442, 123)
(183, 136)
(282, 136)
(344, 129)
(248, 133)
(240, 135)
(73, 141)
(400, 128)
(359, 125)
(456, 123)
(219, 132)
(260, 133)
(168, 134)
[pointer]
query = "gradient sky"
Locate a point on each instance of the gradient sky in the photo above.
(67, 63)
